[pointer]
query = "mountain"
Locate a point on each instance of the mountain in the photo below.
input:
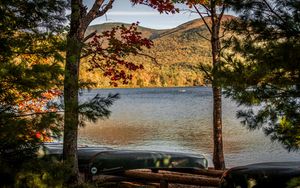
(179, 51)
(146, 32)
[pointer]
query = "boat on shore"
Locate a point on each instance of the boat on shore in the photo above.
(104, 160)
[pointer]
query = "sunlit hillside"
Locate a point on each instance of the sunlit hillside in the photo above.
(178, 53)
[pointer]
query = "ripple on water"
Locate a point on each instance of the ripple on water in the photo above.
(170, 120)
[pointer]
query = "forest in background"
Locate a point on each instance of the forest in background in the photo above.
(178, 53)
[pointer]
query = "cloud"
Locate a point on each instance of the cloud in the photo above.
(133, 13)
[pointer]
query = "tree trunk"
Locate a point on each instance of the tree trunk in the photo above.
(79, 22)
(71, 112)
(218, 156)
(71, 119)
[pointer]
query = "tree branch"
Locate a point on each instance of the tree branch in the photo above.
(89, 36)
(206, 72)
(38, 113)
(95, 11)
(106, 8)
(149, 56)
(202, 36)
(273, 11)
(284, 22)
(213, 14)
(206, 24)
(222, 13)
(191, 11)
(206, 8)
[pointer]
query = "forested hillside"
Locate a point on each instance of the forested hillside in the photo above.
(178, 52)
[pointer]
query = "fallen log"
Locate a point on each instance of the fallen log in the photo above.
(172, 178)
(210, 173)
(124, 181)
(135, 185)
(109, 178)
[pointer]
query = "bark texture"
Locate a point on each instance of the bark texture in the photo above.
(79, 22)
(218, 156)
(71, 119)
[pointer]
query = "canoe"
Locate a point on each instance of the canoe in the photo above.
(104, 160)
(268, 174)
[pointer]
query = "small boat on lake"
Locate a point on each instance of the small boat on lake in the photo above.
(104, 160)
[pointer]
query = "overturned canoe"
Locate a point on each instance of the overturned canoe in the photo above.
(103, 160)
(268, 174)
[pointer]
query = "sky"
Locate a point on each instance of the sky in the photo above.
(124, 12)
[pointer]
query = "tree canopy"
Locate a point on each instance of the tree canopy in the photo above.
(30, 72)
(262, 71)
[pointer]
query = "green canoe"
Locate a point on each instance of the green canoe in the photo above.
(103, 160)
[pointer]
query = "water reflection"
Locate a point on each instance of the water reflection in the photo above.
(115, 134)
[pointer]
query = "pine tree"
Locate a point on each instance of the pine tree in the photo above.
(30, 56)
(262, 72)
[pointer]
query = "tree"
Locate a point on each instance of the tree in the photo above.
(262, 72)
(214, 9)
(211, 7)
(107, 52)
(29, 74)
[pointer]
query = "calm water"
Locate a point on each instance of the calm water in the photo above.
(178, 119)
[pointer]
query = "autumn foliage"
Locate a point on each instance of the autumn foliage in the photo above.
(165, 6)
(168, 6)
(109, 49)
(39, 104)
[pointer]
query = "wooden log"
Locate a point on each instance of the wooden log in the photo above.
(220, 172)
(109, 178)
(211, 173)
(170, 178)
(126, 181)
(203, 173)
(137, 185)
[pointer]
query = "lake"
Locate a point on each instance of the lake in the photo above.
(178, 119)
